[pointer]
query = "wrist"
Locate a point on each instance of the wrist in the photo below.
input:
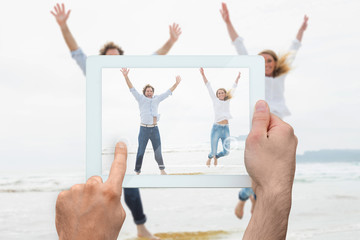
(270, 217)
(277, 197)
(63, 26)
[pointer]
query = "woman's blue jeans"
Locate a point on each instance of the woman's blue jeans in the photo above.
(222, 132)
(145, 134)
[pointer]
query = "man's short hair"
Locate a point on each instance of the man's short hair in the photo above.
(146, 87)
(110, 45)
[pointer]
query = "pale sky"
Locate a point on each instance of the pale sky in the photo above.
(42, 90)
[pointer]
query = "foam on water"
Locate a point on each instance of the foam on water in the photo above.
(38, 183)
(310, 172)
(305, 173)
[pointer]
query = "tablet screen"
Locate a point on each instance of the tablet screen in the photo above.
(190, 126)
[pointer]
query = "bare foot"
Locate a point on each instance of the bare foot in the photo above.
(208, 162)
(137, 173)
(142, 232)
(215, 161)
(239, 209)
(162, 172)
(253, 201)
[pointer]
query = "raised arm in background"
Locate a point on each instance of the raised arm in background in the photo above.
(61, 17)
(225, 15)
(175, 32)
(302, 29)
(237, 78)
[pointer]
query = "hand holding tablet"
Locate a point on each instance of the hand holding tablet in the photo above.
(270, 159)
(270, 147)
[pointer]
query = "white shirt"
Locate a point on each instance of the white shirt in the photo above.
(274, 87)
(221, 108)
(149, 106)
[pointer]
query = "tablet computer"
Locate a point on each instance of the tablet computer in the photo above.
(187, 132)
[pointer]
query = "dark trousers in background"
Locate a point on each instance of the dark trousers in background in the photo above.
(133, 201)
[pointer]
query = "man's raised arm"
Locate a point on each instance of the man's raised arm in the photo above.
(125, 72)
(178, 80)
(61, 17)
(175, 32)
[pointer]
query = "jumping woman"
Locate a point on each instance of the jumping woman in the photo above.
(220, 129)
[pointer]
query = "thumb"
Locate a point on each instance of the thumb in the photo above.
(261, 119)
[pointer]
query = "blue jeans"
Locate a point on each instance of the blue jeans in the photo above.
(245, 193)
(219, 132)
(133, 201)
(145, 134)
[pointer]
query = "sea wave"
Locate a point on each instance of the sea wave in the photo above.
(330, 171)
(38, 183)
(305, 173)
(109, 150)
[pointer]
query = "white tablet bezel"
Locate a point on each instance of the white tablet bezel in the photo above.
(94, 66)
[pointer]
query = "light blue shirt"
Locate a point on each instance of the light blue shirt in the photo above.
(79, 56)
(149, 106)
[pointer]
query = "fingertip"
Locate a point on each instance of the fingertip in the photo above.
(120, 147)
(261, 118)
(261, 106)
(118, 167)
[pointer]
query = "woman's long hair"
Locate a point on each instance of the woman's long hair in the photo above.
(228, 94)
(282, 64)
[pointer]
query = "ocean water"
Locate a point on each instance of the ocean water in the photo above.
(326, 197)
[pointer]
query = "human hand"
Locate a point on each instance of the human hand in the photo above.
(304, 24)
(93, 210)
(302, 29)
(125, 71)
(225, 13)
(270, 153)
(202, 71)
(178, 80)
(237, 78)
(175, 32)
(60, 15)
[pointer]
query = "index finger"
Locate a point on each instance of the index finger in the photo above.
(118, 167)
